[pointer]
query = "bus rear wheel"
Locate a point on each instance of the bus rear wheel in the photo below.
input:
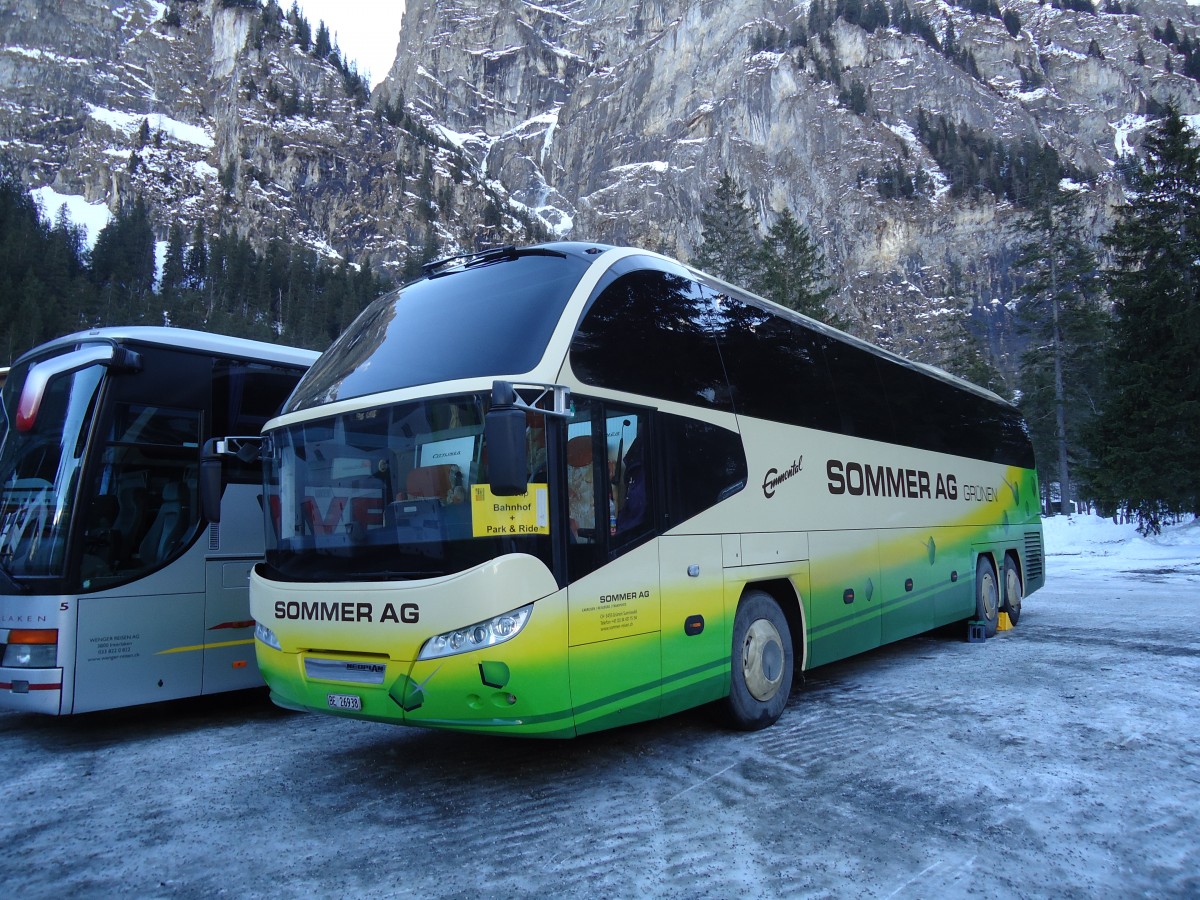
(761, 676)
(1012, 590)
(987, 596)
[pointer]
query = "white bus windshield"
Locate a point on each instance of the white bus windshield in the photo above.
(40, 469)
(398, 492)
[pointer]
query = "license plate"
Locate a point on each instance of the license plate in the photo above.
(347, 702)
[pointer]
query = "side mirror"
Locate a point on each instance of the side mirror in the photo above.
(504, 431)
(244, 449)
(210, 482)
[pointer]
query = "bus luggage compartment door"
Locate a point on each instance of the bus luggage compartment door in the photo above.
(695, 644)
(229, 661)
(846, 609)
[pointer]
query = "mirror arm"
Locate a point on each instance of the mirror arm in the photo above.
(506, 394)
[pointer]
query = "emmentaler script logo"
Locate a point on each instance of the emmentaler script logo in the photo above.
(774, 477)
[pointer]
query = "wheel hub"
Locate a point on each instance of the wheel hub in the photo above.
(1012, 590)
(762, 660)
(990, 597)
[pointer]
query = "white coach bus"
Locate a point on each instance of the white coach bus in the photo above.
(113, 591)
(550, 490)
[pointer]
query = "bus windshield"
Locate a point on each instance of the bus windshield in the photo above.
(397, 492)
(492, 318)
(40, 469)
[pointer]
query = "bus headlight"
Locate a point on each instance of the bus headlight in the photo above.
(266, 635)
(478, 636)
(31, 648)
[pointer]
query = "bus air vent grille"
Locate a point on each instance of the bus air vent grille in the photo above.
(1033, 556)
(214, 536)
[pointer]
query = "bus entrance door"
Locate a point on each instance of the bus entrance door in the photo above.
(615, 656)
(229, 661)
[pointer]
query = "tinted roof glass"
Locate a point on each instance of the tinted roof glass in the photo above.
(493, 318)
(649, 332)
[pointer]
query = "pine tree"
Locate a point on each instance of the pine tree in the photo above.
(790, 269)
(969, 359)
(322, 45)
(174, 272)
(123, 263)
(730, 244)
(1146, 442)
(43, 285)
(1061, 310)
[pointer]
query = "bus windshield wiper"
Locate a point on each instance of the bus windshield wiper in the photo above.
(496, 254)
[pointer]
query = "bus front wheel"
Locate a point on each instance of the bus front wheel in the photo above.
(987, 596)
(761, 676)
(1012, 590)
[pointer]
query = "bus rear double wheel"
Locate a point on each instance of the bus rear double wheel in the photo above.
(761, 664)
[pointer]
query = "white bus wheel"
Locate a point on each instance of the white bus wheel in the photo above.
(761, 676)
(987, 596)
(1012, 590)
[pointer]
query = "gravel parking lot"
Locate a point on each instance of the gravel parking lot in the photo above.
(1058, 759)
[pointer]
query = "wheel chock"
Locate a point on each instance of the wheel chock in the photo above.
(1005, 623)
(976, 633)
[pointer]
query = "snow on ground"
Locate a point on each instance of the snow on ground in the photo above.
(1056, 760)
(1107, 545)
(1124, 128)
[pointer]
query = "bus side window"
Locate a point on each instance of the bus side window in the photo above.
(145, 504)
(630, 517)
(610, 496)
(707, 465)
(581, 488)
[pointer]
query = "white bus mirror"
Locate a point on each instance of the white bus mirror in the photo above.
(41, 374)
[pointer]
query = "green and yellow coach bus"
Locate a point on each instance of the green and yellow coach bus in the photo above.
(551, 490)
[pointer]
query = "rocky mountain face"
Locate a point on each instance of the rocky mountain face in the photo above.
(216, 115)
(614, 120)
(510, 121)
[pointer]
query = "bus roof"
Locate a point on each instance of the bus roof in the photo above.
(186, 339)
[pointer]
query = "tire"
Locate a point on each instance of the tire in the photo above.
(987, 596)
(761, 664)
(1012, 590)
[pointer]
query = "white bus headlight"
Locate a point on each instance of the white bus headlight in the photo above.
(31, 649)
(266, 635)
(478, 636)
